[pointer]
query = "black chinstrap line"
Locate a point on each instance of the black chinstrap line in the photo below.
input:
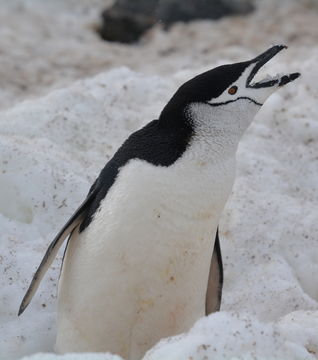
(230, 101)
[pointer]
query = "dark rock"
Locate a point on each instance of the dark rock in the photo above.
(170, 11)
(127, 20)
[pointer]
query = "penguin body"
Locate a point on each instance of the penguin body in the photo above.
(143, 259)
(157, 259)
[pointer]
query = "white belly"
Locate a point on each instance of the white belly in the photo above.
(139, 272)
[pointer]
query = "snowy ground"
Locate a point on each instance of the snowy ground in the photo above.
(67, 104)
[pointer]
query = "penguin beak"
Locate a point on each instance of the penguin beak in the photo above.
(269, 81)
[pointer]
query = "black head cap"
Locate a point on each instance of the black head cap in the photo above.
(203, 87)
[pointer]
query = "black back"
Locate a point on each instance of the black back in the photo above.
(155, 143)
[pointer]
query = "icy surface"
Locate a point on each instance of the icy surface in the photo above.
(240, 336)
(86, 356)
(54, 144)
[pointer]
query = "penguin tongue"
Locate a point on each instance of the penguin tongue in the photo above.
(268, 81)
(280, 79)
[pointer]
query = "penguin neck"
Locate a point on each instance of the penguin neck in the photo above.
(217, 131)
(212, 134)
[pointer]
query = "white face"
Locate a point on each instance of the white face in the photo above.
(240, 91)
(225, 118)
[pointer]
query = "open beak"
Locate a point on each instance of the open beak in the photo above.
(269, 81)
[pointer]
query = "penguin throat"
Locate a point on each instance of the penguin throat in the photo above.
(220, 128)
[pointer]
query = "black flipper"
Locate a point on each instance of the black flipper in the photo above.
(215, 282)
(55, 245)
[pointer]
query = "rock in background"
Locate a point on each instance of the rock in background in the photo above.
(126, 21)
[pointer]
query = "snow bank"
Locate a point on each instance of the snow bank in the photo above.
(50, 44)
(230, 336)
(87, 356)
(241, 336)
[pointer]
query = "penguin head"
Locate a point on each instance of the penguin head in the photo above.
(225, 99)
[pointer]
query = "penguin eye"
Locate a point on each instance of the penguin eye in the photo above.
(232, 90)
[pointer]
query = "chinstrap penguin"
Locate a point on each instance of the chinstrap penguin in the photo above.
(143, 258)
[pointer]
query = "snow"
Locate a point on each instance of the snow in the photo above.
(68, 104)
(240, 336)
(86, 356)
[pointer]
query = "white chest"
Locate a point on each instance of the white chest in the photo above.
(189, 192)
(160, 208)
